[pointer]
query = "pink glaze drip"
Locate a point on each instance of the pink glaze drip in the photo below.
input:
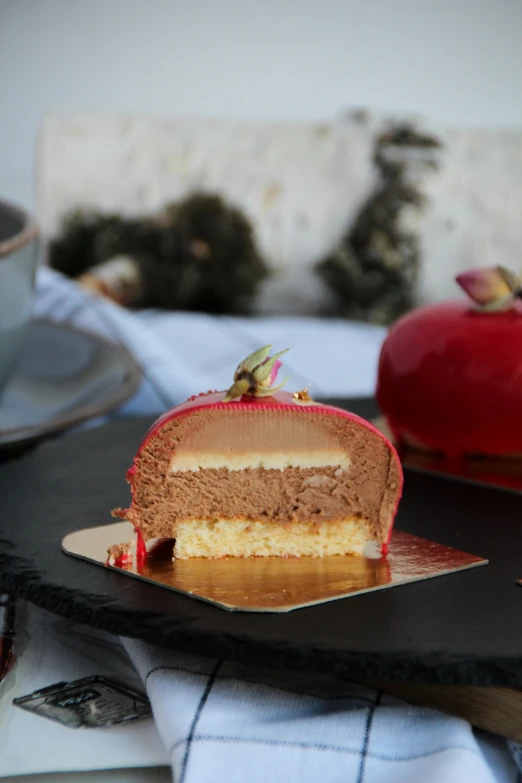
(141, 549)
(123, 561)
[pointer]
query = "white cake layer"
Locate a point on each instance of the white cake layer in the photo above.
(243, 538)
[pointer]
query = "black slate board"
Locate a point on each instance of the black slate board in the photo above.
(458, 629)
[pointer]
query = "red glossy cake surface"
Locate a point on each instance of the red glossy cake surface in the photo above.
(450, 380)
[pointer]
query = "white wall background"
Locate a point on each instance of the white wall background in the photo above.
(459, 61)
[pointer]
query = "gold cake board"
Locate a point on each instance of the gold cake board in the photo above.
(281, 585)
(274, 584)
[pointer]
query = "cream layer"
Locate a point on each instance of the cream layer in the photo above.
(191, 461)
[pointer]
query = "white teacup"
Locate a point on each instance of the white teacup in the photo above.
(18, 261)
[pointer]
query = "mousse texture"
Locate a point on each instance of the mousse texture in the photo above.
(288, 464)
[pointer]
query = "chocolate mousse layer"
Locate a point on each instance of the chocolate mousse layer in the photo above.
(269, 465)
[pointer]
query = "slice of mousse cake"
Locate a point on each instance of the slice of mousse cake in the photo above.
(255, 471)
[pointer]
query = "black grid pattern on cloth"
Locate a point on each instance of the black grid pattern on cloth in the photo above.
(364, 752)
(326, 748)
(367, 734)
(290, 689)
(199, 709)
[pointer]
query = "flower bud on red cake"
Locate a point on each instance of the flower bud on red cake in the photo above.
(450, 374)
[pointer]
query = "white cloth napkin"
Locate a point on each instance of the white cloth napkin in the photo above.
(48, 650)
(185, 353)
(222, 722)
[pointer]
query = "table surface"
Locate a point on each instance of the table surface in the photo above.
(145, 775)
(455, 629)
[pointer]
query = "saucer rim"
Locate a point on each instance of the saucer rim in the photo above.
(85, 411)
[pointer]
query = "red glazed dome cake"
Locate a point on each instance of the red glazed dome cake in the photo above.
(450, 373)
(260, 472)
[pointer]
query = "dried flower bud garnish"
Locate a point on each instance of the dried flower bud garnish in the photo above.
(256, 375)
(303, 395)
(492, 288)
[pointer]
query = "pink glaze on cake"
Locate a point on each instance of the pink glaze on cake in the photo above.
(281, 402)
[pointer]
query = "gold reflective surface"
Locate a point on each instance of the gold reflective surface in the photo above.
(274, 584)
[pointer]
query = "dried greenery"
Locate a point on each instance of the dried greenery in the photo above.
(374, 269)
(198, 254)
